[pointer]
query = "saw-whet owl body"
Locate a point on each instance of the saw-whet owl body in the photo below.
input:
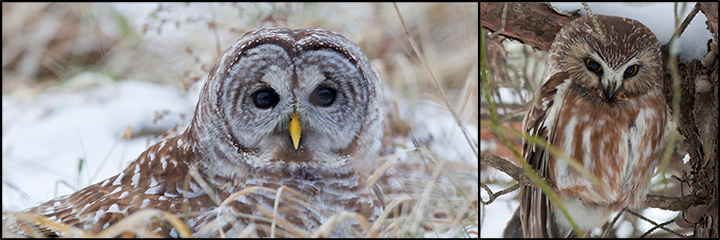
(602, 105)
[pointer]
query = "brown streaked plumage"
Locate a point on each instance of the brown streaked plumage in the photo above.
(239, 138)
(602, 105)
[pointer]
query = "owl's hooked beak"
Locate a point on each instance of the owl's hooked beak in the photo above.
(295, 130)
(609, 91)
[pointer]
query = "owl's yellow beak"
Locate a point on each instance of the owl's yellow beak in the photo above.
(295, 130)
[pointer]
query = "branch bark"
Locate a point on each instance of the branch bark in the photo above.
(536, 24)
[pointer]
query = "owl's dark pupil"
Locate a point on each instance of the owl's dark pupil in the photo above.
(593, 66)
(323, 96)
(265, 98)
(630, 71)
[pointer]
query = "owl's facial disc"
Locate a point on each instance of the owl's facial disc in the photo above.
(611, 78)
(282, 98)
(613, 82)
(305, 106)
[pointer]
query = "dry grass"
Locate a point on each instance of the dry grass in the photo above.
(179, 43)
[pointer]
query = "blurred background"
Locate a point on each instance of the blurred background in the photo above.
(86, 87)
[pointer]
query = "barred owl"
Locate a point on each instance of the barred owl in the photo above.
(300, 108)
(602, 105)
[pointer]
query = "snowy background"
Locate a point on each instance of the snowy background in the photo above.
(659, 18)
(60, 113)
(44, 139)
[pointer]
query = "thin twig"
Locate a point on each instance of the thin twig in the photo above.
(687, 20)
(594, 20)
(656, 227)
(494, 196)
(435, 82)
(502, 22)
(612, 223)
(510, 169)
(519, 175)
(213, 27)
(654, 223)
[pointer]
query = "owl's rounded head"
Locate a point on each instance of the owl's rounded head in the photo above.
(288, 98)
(616, 59)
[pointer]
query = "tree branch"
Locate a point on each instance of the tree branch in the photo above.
(654, 201)
(534, 24)
(510, 169)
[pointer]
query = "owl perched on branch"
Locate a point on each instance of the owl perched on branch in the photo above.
(602, 105)
(299, 108)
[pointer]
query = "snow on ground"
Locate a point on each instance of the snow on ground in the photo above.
(43, 139)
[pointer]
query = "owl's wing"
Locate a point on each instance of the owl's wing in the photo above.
(157, 179)
(535, 211)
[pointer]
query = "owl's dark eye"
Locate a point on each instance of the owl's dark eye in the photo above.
(631, 71)
(265, 98)
(593, 66)
(323, 96)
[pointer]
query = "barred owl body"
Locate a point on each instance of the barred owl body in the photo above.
(299, 108)
(602, 105)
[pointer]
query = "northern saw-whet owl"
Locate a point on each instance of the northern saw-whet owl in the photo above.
(601, 104)
(300, 108)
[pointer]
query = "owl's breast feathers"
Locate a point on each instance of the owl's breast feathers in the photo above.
(601, 106)
(618, 142)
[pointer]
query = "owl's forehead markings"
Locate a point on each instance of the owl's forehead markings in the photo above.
(616, 48)
(295, 43)
(294, 47)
